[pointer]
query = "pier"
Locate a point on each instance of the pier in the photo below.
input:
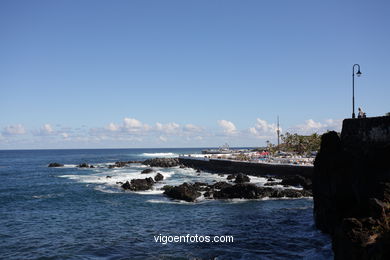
(250, 168)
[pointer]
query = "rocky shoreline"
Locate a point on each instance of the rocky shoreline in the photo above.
(236, 186)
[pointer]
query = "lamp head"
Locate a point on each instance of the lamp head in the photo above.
(358, 73)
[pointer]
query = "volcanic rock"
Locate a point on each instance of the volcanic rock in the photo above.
(138, 184)
(185, 191)
(162, 162)
(241, 178)
(83, 165)
(158, 177)
(55, 165)
(147, 171)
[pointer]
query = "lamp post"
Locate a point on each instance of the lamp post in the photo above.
(358, 73)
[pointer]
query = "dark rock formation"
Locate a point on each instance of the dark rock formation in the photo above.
(231, 177)
(220, 185)
(297, 180)
(147, 171)
(128, 162)
(185, 191)
(274, 183)
(121, 164)
(162, 162)
(224, 190)
(251, 191)
(241, 178)
(158, 177)
(83, 165)
(351, 189)
(55, 165)
(138, 184)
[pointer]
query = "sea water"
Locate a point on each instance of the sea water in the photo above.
(77, 213)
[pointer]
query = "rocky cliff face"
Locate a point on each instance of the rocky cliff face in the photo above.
(351, 188)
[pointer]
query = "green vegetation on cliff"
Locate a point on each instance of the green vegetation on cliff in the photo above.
(300, 144)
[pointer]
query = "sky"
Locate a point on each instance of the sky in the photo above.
(134, 74)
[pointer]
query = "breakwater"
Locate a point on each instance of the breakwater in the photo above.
(249, 168)
(351, 188)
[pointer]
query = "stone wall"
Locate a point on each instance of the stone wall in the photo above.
(256, 169)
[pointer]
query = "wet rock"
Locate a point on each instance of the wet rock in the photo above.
(162, 162)
(231, 177)
(126, 185)
(83, 165)
(158, 177)
(91, 166)
(147, 171)
(270, 179)
(198, 171)
(128, 162)
(251, 191)
(201, 186)
(297, 181)
(241, 191)
(185, 191)
(241, 178)
(138, 184)
(120, 164)
(55, 165)
(220, 185)
(108, 176)
(271, 183)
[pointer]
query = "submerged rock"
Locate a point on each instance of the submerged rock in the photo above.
(147, 171)
(55, 165)
(83, 165)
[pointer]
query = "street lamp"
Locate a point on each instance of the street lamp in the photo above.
(358, 73)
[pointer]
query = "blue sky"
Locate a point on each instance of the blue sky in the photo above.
(91, 74)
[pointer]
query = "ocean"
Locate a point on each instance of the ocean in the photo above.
(75, 213)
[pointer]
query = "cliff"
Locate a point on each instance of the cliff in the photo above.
(351, 188)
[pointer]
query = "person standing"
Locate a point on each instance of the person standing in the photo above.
(361, 114)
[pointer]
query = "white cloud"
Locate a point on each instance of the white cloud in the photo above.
(169, 128)
(65, 135)
(132, 125)
(227, 126)
(263, 129)
(163, 139)
(113, 127)
(46, 129)
(310, 126)
(129, 125)
(192, 128)
(17, 129)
